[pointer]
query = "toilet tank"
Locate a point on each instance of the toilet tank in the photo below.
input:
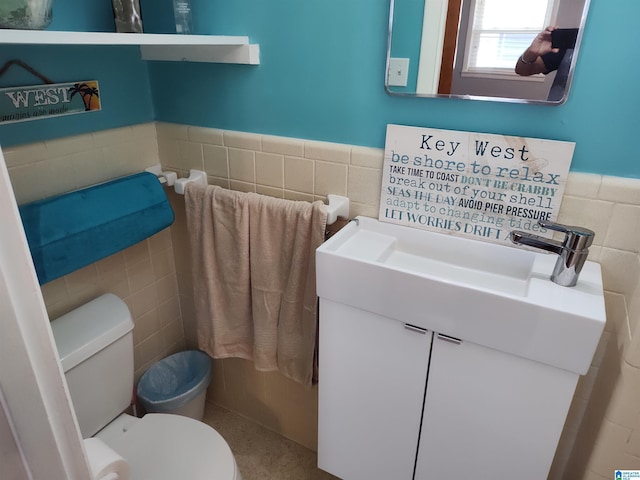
(95, 345)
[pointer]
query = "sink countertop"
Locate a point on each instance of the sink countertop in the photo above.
(492, 295)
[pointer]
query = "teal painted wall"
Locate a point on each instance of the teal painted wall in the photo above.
(321, 77)
(322, 71)
(123, 80)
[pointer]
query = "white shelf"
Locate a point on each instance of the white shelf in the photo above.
(165, 47)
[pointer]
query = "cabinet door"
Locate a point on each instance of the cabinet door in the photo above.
(370, 393)
(489, 414)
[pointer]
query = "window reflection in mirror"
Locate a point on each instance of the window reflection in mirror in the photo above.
(470, 48)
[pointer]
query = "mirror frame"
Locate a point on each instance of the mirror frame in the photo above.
(565, 96)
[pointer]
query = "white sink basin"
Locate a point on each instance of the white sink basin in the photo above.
(492, 295)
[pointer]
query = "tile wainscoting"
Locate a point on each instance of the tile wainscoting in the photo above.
(143, 275)
(602, 432)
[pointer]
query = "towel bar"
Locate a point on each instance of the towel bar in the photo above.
(168, 178)
(338, 205)
(195, 176)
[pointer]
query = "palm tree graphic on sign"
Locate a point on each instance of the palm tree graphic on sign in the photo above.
(87, 93)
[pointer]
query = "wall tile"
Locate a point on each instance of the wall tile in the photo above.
(270, 191)
(137, 253)
(216, 160)
(68, 145)
(162, 263)
(617, 322)
(356, 209)
(367, 157)
(633, 445)
(149, 350)
(146, 325)
(632, 352)
(140, 276)
(129, 158)
(361, 185)
(586, 383)
(590, 475)
(584, 185)
(242, 186)
(160, 241)
(89, 168)
(330, 178)
(210, 136)
(609, 455)
(592, 214)
(171, 334)
(188, 321)
(191, 156)
(246, 141)
(143, 301)
(172, 131)
(624, 228)
(218, 181)
(624, 407)
(270, 169)
(601, 349)
(282, 145)
(330, 152)
(620, 270)
(113, 136)
(168, 309)
(146, 131)
(80, 281)
(298, 196)
(242, 165)
(169, 154)
(55, 291)
(299, 174)
(622, 190)
(254, 393)
(112, 264)
(167, 287)
(26, 182)
(24, 154)
(633, 303)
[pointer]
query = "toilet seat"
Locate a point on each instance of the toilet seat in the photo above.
(162, 446)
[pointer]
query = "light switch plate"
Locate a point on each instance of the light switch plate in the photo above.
(398, 73)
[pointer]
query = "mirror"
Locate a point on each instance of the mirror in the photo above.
(469, 49)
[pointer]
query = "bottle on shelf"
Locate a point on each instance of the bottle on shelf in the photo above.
(182, 14)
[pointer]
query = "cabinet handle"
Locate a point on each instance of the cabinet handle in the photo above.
(449, 339)
(413, 328)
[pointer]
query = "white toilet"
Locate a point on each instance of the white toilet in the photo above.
(95, 344)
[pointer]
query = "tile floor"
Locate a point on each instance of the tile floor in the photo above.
(260, 453)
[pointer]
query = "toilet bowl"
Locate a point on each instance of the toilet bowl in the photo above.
(95, 345)
(164, 446)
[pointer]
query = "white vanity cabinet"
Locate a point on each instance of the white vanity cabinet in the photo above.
(371, 392)
(393, 397)
(488, 414)
(398, 400)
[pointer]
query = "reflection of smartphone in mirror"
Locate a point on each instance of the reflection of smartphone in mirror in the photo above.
(564, 38)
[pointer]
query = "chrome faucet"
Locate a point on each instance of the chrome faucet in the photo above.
(572, 252)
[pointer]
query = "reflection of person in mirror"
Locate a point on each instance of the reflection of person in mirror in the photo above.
(542, 57)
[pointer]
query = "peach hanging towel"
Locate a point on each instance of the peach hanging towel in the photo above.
(254, 277)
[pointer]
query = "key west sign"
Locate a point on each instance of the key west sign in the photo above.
(19, 104)
(472, 184)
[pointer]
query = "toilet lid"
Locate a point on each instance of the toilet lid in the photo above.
(168, 447)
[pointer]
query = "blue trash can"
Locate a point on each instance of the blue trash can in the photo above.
(177, 384)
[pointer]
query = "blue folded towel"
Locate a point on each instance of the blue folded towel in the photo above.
(71, 231)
